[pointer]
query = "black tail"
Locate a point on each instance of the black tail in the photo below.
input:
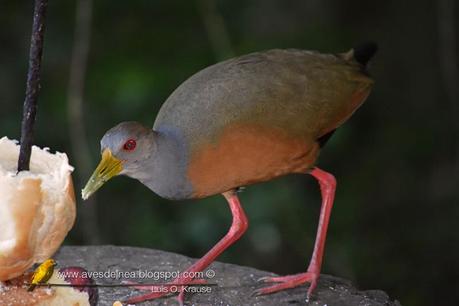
(364, 52)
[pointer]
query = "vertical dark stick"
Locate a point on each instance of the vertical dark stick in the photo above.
(87, 223)
(217, 31)
(33, 84)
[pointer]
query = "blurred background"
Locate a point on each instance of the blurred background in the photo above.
(394, 224)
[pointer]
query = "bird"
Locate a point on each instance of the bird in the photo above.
(242, 121)
(42, 274)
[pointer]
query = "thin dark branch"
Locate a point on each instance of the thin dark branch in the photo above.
(87, 223)
(216, 29)
(33, 84)
(449, 67)
(448, 54)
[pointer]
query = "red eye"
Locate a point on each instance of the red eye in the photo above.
(130, 145)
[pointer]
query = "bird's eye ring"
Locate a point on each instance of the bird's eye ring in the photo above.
(129, 145)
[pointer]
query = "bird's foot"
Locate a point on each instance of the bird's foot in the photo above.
(157, 291)
(289, 281)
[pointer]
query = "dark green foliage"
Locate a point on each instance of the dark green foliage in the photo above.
(394, 224)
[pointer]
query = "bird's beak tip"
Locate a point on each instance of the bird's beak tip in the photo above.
(84, 194)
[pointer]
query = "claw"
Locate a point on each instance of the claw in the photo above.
(261, 279)
(264, 279)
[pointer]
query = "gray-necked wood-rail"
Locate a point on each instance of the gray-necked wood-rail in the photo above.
(242, 121)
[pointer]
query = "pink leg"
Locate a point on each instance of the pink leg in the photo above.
(327, 184)
(238, 227)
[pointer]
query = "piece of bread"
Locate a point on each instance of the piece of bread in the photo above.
(37, 207)
(14, 293)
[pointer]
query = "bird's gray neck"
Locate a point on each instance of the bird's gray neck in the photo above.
(165, 173)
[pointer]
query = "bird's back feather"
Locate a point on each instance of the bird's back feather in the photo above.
(259, 113)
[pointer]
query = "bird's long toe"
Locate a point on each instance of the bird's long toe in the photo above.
(278, 279)
(287, 282)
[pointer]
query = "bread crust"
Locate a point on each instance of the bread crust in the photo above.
(37, 208)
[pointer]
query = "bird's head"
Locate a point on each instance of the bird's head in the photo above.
(49, 263)
(124, 148)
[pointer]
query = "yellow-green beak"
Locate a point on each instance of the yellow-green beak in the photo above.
(108, 167)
